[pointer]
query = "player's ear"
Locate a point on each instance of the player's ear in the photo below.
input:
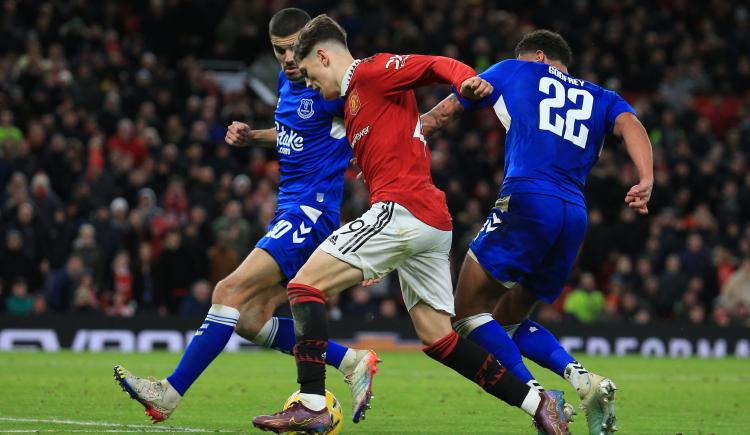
(323, 56)
(540, 56)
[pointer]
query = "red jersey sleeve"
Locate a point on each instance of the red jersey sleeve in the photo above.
(396, 73)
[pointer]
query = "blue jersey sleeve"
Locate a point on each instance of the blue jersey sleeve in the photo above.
(498, 76)
(334, 107)
(617, 106)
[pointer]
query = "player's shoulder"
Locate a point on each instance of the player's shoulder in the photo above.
(599, 90)
(503, 70)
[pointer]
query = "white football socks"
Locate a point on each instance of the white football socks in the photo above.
(535, 385)
(578, 377)
(313, 402)
(350, 360)
(531, 402)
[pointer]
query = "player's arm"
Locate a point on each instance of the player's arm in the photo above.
(413, 71)
(441, 115)
(240, 134)
(629, 128)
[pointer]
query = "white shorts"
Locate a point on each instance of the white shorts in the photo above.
(387, 238)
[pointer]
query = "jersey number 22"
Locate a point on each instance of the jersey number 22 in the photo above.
(564, 127)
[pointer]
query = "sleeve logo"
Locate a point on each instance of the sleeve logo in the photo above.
(305, 109)
(397, 61)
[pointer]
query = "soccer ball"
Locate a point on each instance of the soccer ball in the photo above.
(337, 417)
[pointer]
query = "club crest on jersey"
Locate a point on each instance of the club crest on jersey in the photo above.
(354, 103)
(305, 109)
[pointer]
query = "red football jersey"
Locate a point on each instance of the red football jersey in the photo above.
(383, 128)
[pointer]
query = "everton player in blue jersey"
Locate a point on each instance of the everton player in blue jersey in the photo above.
(556, 125)
(310, 140)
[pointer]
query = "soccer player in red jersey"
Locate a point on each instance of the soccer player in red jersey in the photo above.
(407, 228)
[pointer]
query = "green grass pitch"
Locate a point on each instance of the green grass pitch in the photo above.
(67, 392)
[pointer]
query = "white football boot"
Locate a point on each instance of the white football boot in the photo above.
(159, 398)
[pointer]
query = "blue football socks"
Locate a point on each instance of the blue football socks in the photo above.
(206, 345)
(485, 331)
(540, 346)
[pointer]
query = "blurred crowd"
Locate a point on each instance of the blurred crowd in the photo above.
(119, 195)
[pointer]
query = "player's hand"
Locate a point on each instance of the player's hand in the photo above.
(360, 176)
(369, 282)
(239, 134)
(638, 196)
(475, 88)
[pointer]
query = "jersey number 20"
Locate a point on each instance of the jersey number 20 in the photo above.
(564, 127)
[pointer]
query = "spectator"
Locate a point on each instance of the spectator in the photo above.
(20, 302)
(198, 302)
(361, 306)
(736, 292)
(45, 199)
(14, 262)
(87, 250)
(222, 259)
(63, 284)
(585, 302)
(174, 273)
(388, 309)
(85, 300)
(237, 228)
(125, 144)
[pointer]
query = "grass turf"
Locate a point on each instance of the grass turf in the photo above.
(413, 395)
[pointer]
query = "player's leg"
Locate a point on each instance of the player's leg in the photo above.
(257, 324)
(344, 259)
(323, 275)
(513, 242)
(426, 287)
(475, 292)
(257, 272)
(539, 344)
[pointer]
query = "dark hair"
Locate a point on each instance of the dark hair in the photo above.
(287, 22)
(551, 43)
(319, 29)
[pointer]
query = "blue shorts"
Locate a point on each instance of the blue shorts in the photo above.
(532, 240)
(294, 233)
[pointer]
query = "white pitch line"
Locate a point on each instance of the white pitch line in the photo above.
(107, 424)
(73, 431)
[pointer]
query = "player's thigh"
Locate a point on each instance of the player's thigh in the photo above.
(327, 273)
(256, 272)
(547, 280)
(476, 290)
(430, 324)
(376, 243)
(294, 234)
(425, 277)
(517, 234)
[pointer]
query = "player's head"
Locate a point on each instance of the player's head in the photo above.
(283, 28)
(320, 52)
(544, 46)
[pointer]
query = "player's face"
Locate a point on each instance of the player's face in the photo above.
(319, 76)
(282, 49)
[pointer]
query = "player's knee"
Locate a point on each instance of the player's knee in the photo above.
(250, 325)
(428, 336)
(232, 292)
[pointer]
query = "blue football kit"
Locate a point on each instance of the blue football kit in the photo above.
(556, 125)
(313, 155)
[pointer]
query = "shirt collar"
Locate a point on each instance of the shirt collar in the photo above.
(348, 76)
